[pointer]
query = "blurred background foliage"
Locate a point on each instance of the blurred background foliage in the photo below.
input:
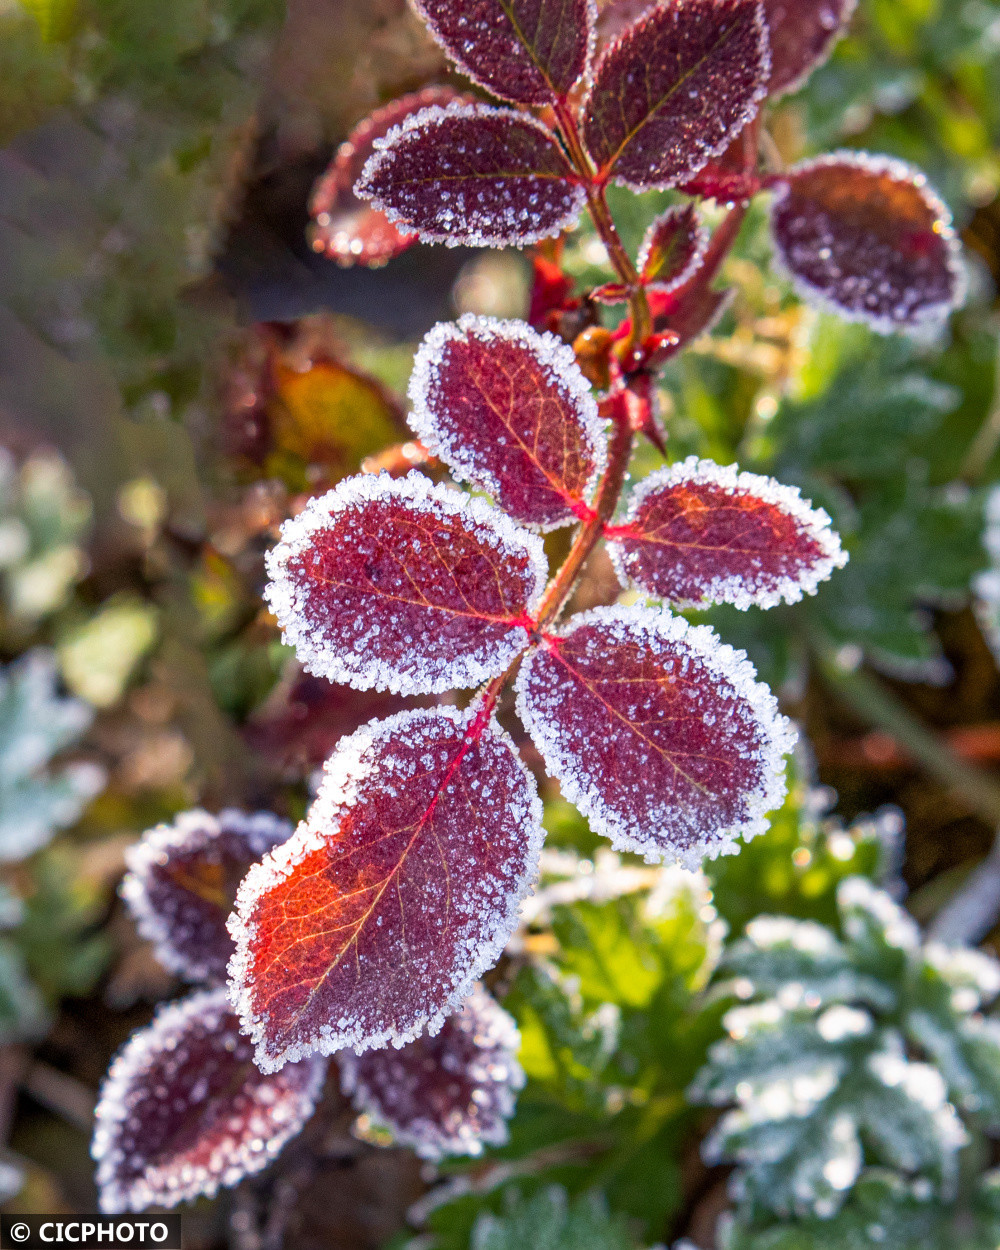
(178, 368)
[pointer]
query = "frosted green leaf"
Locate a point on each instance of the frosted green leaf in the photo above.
(35, 725)
(550, 1221)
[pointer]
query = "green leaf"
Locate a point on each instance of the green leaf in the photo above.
(550, 1221)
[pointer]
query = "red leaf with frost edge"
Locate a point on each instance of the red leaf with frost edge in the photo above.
(615, 16)
(182, 883)
(803, 33)
(866, 237)
(185, 1110)
(700, 533)
(398, 891)
(675, 89)
(673, 249)
(525, 51)
(347, 229)
(657, 731)
(475, 175)
(450, 1094)
(405, 586)
(508, 410)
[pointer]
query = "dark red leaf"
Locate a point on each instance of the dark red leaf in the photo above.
(657, 731)
(305, 717)
(700, 533)
(185, 1110)
(402, 585)
(526, 51)
(394, 896)
(450, 1094)
(675, 89)
(472, 174)
(347, 229)
(673, 249)
(508, 410)
(182, 883)
(868, 238)
(803, 33)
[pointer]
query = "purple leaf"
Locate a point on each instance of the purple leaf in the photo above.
(525, 51)
(866, 237)
(182, 883)
(474, 175)
(673, 249)
(450, 1094)
(184, 1109)
(803, 33)
(675, 89)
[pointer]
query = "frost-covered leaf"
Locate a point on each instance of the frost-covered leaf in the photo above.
(986, 585)
(699, 533)
(398, 891)
(675, 89)
(657, 731)
(673, 248)
(525, 51)
(345, 228)
(404, 585)
(866, 237)
(550, 1221)
(184, 1109)
(508, 410)
(182, 881)
(802, 34)
(36, 724)
(450, 1094)
(472, 174)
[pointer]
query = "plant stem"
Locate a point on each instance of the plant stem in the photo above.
(619, 454)
(597, 204)
(874, 703)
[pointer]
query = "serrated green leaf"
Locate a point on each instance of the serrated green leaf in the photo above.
(551, 1221)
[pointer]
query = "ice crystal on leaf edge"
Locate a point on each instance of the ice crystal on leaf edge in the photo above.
(723, 662)
(345, 773)
(418, 494)
(814, 524)
(558, 366)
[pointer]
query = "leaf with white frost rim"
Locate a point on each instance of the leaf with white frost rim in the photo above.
(184, 1109)
(404, 585)
(450, 1094)
(398, 891)
(508, 410)
(867, 238)
(469, 174)
(182, 880)
(657, 731)
(699, 532)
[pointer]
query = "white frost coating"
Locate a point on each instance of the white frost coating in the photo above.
(468, 68)
(559, 366)
(986, 585)
(702, 237)
(261, 831)
(495, 1073)
(496, 224)
(357, 760)
(229, 1163)
(836, 33)
(699, 152)
(862, 904)
(927, 319)
(722, 661)
(815, 523)
(429, 673)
